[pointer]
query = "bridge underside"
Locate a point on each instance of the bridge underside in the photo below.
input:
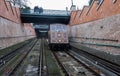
(44, 19)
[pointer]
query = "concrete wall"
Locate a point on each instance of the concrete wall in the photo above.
(12, 31)
(97, 24)
(107, 28)
(30, 32)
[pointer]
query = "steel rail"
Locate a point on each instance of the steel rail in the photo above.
(61, 65)
(22, 59)
(40, 66)
(110, 66)
(86, 66)
(4, 59)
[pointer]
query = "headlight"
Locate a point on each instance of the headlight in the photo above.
(59, 35)
(59, 40)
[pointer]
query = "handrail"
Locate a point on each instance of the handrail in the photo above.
(95, 39)
(98, 44)
(46, 12)
(15, 37)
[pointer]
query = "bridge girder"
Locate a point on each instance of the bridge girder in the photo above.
(44, 19)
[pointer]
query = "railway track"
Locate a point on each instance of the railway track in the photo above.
(22, 59)
(30, 63)
(71, 66)
(40, 66)
(11, 61)
(33, 63)
(5, 58)
(106, 67)
(61, 65)
(38, 60)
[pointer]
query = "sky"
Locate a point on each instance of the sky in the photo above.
(57, 4)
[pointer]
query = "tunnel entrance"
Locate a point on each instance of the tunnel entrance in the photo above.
(41, 30)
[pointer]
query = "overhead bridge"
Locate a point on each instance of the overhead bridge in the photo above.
(45, 17)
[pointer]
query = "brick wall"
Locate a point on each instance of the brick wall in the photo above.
(9, 12)
(95, 12)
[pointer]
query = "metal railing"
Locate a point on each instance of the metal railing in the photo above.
(46, 12)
